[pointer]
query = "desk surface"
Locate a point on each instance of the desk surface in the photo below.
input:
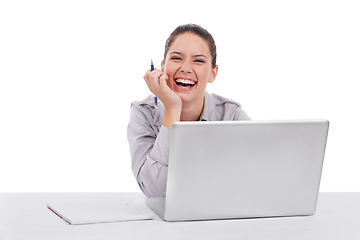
(25, 216)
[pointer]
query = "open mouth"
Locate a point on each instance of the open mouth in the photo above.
(185, 83)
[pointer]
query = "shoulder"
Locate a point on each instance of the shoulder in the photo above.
(223, 101)
(223, 109)
(146, 109)
(147, 102)
(143, 109)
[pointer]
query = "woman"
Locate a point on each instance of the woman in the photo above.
(189, 64)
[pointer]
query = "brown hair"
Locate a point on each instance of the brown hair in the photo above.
(197, 30)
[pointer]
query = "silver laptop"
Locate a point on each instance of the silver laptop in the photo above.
(243, 169)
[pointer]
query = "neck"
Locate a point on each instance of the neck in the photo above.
(191, 111)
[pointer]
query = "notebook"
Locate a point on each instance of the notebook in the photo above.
(243, 169)
(101, 208)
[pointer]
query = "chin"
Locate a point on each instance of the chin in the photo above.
(187, 97)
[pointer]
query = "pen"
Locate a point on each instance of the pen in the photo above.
(152, 69)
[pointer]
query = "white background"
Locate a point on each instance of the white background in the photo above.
(70, 69)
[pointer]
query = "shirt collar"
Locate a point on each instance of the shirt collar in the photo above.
(208, 108)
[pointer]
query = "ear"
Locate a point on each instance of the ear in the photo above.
(213, 74)
(162, 65)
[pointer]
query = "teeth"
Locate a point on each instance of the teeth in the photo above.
(185, 81)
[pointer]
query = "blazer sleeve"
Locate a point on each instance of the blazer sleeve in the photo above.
(149, 150)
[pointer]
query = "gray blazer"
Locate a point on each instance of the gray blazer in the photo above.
(149, 139)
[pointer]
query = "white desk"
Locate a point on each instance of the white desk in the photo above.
(25, 216)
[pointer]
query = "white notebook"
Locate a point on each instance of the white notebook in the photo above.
(97, 209)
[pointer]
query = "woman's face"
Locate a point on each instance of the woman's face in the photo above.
(188, 64)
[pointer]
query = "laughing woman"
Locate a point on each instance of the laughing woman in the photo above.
(189, 65)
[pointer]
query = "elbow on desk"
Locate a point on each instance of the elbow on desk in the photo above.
(152, 182)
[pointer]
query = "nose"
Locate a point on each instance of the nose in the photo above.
(186, 67)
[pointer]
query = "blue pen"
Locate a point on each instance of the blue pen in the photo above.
(152, 69)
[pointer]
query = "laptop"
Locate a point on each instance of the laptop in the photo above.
(243, 169)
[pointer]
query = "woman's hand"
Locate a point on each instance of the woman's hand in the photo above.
(157, 83)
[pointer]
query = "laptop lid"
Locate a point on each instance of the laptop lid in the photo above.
(244, 169)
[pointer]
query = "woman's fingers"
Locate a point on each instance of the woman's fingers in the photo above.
(163, 80)
(150, 78)
(157, 83)
(153, 80)
(156, 75)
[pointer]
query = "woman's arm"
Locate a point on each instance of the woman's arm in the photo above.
(149, 151)
(157, 83)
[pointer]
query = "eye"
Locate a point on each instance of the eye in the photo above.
(199, 61)
(176, 58)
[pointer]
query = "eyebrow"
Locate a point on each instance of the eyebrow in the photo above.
(176, 53)
(197, 55)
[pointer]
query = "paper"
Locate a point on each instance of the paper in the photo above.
(97, 209)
